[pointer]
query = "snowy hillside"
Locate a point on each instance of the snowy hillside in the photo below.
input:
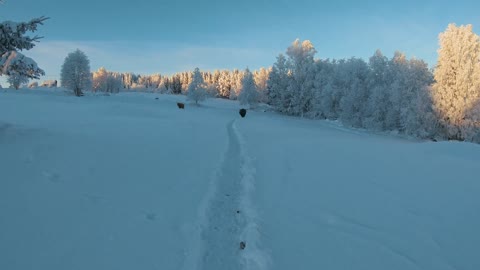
(129, 181)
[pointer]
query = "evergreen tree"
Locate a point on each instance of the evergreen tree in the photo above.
(17, 65)
(14, 39)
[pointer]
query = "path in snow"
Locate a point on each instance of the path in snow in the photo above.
(221, 235)
(230, 214)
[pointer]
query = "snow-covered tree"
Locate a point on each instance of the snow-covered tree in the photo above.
(324, 73)
(457, 78)
(277, 84)
(185, 79)
(301, 86)
(421, 120)
(18, 65)
(471, 127)
(236, 82)
(197, 89)
(127, 80)
(224, 84)
(106, 81)
(378, 102)
(75, 74)
(290, 84)
(155, 80)
(261, 77)
(383, 94)
(14, 39)
(353, 79)
(248, 90)
(16, 80)
(176, 84)
(417, 79)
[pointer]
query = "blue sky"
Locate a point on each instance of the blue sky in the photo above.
(171, 36)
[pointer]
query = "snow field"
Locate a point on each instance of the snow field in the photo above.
(130, 182)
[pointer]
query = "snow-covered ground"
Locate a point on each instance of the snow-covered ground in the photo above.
(132, 182)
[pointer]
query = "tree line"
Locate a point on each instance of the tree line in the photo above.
(219, 83)
(396, 94)
(385, 94)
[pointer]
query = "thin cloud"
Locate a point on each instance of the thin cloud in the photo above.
(141, 58)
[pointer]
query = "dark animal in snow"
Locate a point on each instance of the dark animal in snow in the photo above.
(242, 112)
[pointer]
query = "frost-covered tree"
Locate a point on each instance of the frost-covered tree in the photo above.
(277, 84)
(383, 94)
(176, 84)
(236, 82)
(378, 102)
(75, 74)
(197, 90)
(290, 83)
(398, 93)
(248, 91)
(421, 120)
(106, 81)
(323, 81)
(155, 80)
(457, 79)
(99, 78)
(127, 80)
(417, 79)
(185, 79)
(471, 127)
(16, 80)
(353, 79)
(301, 86)
(261, 77)
(14, 39)
(224, 84)
(18, 65)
